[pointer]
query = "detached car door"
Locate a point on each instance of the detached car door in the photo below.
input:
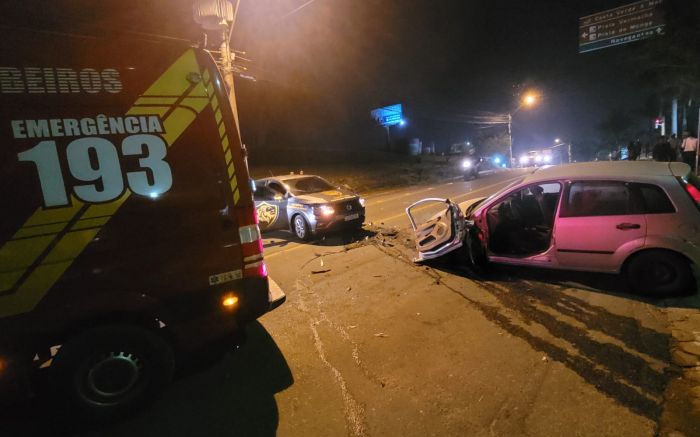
(599, 223)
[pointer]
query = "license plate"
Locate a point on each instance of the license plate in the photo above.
(352, 217)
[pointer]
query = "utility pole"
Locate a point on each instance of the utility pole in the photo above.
(388, 138)
(220, 15)
(510, 140)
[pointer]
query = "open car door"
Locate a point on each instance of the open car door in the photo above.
(442, 233)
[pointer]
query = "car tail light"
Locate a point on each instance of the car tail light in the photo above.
(251, 243)
(694, 192)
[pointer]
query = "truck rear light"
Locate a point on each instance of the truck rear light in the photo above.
(229, 300)
(251, 243)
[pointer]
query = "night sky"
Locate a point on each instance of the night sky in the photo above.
(323, 67)
(442, 60)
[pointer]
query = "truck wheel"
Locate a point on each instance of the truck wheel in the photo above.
(301, 228)
(107, 372)
(659, 273)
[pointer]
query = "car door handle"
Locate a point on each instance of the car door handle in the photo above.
(626, 226)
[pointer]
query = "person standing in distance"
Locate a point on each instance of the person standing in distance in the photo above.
(689, 148)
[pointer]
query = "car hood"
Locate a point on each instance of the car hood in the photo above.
(326, 196)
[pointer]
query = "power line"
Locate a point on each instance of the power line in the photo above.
(297, 9)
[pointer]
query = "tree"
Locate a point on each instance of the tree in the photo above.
(670, 64)
(493, 144)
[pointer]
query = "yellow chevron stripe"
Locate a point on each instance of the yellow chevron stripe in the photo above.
(149, 110)
(54, 215)
(91, 223)
(20, 254)
(224, 142)
(155, 100)
(33, 231)
(231, 170)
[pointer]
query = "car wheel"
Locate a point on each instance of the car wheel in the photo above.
(476, 252)
(301, 228)
(107, 372)
(659, 273)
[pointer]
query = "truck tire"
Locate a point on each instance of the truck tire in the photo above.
(108, 372)
(659, 273)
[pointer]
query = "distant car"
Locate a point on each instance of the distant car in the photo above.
(640, 219)
(469, 166)
(306, 205)
(535, 158)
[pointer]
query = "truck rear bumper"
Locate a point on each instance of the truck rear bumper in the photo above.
(276, 296)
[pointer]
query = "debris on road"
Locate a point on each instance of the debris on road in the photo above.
(380, 334)
(318, 272)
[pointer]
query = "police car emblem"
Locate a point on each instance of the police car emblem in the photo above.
(267, 213)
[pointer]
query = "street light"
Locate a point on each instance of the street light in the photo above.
(528, 100)
(558, 142)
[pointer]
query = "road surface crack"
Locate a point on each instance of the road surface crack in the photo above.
(353, 411)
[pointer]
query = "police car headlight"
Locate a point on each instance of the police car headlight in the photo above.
(466, 163)
(362, 202)
(547, 158)
(538, 158)
(326, 210)
(524, 159)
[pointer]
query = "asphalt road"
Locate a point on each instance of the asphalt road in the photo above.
(370, 344)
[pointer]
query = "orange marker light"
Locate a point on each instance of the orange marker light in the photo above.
(229, 301)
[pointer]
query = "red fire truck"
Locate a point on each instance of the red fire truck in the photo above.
(128, 234)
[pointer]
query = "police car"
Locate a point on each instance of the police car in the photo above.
(306, 205)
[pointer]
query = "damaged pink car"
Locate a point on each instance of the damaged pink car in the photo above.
(638, 219)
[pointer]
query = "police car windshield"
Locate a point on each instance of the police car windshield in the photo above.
(308, 185)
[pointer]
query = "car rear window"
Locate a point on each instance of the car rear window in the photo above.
(599, 198)
(655, 199)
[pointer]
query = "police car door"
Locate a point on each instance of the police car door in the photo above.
(271, 208)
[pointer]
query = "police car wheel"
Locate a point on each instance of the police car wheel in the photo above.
(301, 228)
(107, 372)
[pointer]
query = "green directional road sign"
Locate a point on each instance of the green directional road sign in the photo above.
(622, 25)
